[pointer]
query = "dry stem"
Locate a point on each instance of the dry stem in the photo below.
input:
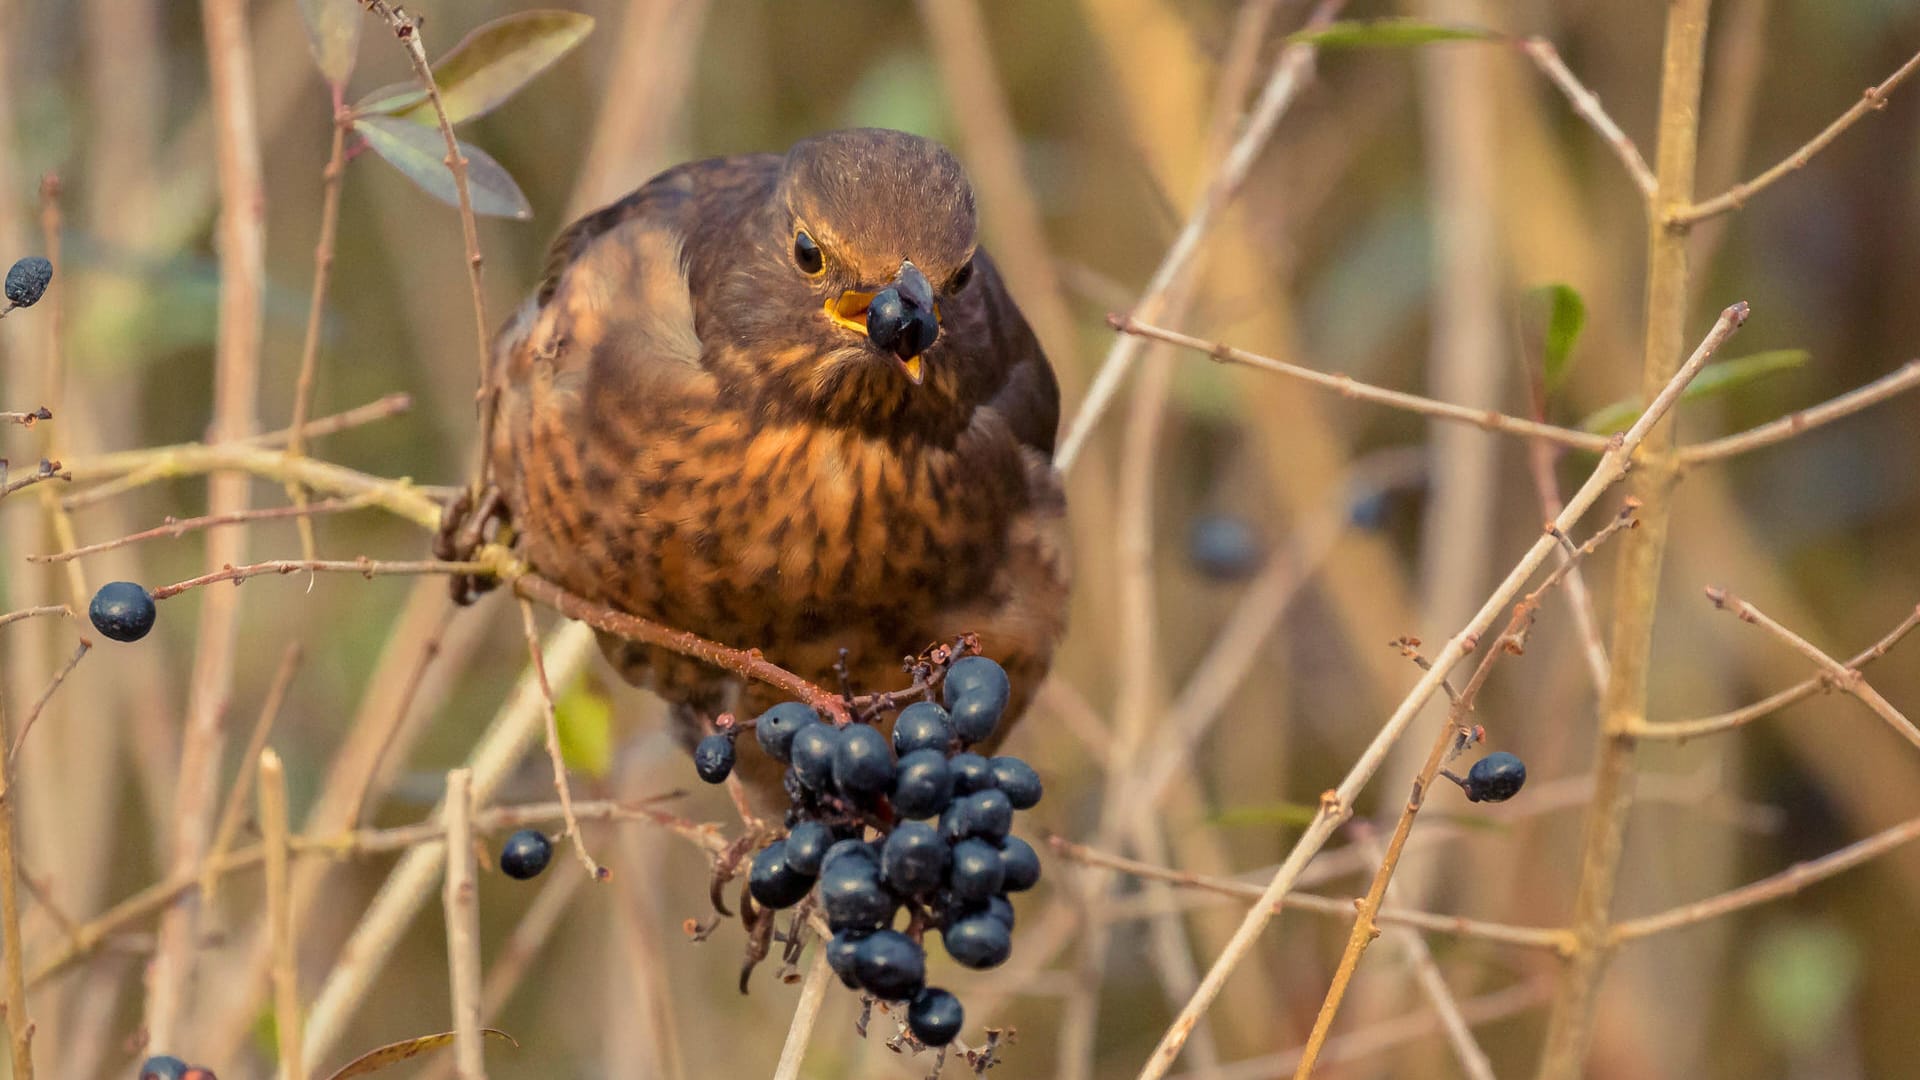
(175, 528)
(1900, 380)
(230, 814)
(461, 898)
(19, 1027)
(560, 785)
(286, 970)
(1587, 104)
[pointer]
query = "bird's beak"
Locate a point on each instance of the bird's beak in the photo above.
(901, 318)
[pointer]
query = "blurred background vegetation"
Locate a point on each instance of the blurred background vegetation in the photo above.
(1407, 190)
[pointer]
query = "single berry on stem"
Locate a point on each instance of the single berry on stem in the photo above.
(979, 941)
(27, 280)
(713, 758)
(935, 1017)
(1495, 778)
(122, 611)
(525, 854)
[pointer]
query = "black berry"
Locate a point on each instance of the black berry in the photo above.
(922, 725)
(775, 883)
(1019, 865)
(971, 773)
(1018, 779)
(27, 280)
(776, 727)
(922, 785)
(914, 860)
(986, 814)
(980, 941)
(976, 873)
(890, 965)
(935, 1017)
(1495, 778)
(807, 844)
(976, 693)
(862, 762)
(162, 1067)
(525, 854)
(850, 848)
(812, 754)
(853, 897)
(713, 758)
(122, 611)
(840, 952)
(1001, 908)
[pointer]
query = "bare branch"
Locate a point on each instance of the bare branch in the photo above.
(560, 785)
(175, 528)
(461, 898)
(1587, 104)
(1898, 381)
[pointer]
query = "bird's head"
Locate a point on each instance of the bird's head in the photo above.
(859, 293)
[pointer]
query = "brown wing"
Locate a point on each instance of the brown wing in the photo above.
(1029, 399)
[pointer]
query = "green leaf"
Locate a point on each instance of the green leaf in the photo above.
(420, 154)
(1713, 380)
(1566, 316)
(488, 66)
(1392, 33)
(391, 99)
(393, 1053)
(585, 719)
(333, 34)
(1290, 814)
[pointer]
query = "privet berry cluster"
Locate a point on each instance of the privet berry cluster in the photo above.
(942, 850)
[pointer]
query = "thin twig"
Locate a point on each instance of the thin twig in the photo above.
(19, 1026)
(1785, 883)
(461, 898)
(1336, 805)
(363, 566)
(1898, 381)
(554, 755)
(1844, 676)
(1290, 75)
(48, 470)
(1682, 730)
(812, 992)
(13, 753)
(175, 528)
(1347, 386)
(1587, 104)
(286, 969)
(1735, 197)
(33, 612)
(231, 814)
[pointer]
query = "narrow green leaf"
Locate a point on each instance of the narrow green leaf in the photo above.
(585, 719)
(1566, 316)
(494, 62)
(1388, 33)
(393, 1053)
(390, 99)
(1713, 380)
(333, 34)
(420, 154)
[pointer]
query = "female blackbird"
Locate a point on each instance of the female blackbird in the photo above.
(785, 402)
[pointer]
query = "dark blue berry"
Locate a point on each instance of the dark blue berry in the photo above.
(840, 952)
(971, 773)
(971, 675)
(525, 854)
(986, 814)
(713, 758)
(890, 965)
(922, 785)
(935, 1017)
(812, 754)
(1223, 548)
(1019, 864)
(976, 873)
(1368, 509)
(162, 1067)
(914, 860)
(807, 844)
(773, 881)
(122, 611)
(1495, 778)
(853, 897)
(980, 941)
(1018, 779)
(1001, 908)
(862, 763)
(976, 715)
(922, 725)
(27, 280)
(776, 727)
(850, 848)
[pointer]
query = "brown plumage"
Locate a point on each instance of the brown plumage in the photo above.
(699, 424)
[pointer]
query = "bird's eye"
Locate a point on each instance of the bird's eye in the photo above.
(806, 254)
(961, 277)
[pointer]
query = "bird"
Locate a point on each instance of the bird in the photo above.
(787, 402)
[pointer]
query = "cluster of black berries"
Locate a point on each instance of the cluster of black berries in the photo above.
(164, 1067)
(943, 854)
